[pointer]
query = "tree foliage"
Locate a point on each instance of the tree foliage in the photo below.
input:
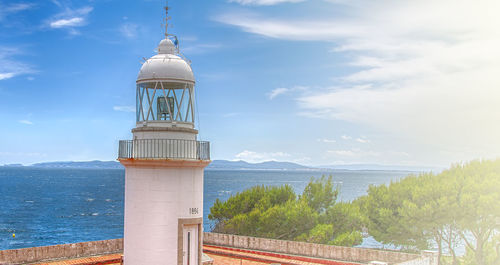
(258, 197)
(277, 212)
(320, 195)
(458, 206)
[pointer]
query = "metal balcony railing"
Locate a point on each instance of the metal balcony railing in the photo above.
(164, 149)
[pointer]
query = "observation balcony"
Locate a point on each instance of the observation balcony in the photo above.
(164, 149)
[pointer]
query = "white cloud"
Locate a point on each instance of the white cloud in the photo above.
(296, 29)
(11, 9)
(283, 90)
(82, 11)
(420, 71)
(324, 140)
(129, 30)
(72, 22)
(277, 91)
(346, 137)
(256, 157)
(124, 108)
(57, 3)
(27, 122)
(6, 75)
(10, 67)
(362, 140)
(16, 7)
(341, 152)
(263, 2)
(355, 152)
(71, 18)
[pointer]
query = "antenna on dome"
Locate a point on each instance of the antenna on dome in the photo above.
(167, 18)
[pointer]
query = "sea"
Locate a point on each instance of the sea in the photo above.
(47, 206)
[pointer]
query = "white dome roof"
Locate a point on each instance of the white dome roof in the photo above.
(166, 65)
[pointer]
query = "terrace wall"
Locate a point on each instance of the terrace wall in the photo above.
(363, 255)
(75, 250)
(92, 248)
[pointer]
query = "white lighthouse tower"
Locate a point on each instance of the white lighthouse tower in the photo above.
(164, 165)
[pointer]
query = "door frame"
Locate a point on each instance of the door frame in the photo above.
(180, 236)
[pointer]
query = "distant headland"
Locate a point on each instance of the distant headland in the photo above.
(233, 165)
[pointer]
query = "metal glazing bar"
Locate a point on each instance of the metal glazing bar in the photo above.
(179, 112)
(141, 101)
(166, 100)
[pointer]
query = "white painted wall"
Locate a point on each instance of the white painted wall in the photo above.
(155, 198)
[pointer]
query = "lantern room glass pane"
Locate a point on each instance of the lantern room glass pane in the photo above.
(165, 101)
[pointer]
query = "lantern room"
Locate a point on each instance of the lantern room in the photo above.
(165, 89)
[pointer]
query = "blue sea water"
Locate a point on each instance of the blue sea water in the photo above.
(57, 206)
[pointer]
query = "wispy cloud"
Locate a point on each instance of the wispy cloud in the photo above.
(6, 75)
(71, 22)
(276, 92)
(283, 90)
(346, 137)
(355, 152)
(70, 18)
(293, 29)
(264, 2)
(418, 71)
(27, 122)
(324, 140)
(11, 67)
(129, 30)
(13, 8)
(256, 157)
(362, 140)
(124, 108)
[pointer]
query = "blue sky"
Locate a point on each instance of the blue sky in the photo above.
(313, 81)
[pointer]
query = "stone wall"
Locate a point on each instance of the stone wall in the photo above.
(84, 249)
(363, 255)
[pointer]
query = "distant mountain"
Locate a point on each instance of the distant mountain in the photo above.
(13, 165)
(242, 165)
(380, 167)
(215, 165)
(86, 164)
(237, 165)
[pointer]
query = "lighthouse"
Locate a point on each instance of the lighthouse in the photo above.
(164, 164)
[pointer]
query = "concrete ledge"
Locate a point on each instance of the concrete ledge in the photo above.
(93, 248)
(75, 250)
(362, 255)
(164, 129)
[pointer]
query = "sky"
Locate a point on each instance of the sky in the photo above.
(317, 82)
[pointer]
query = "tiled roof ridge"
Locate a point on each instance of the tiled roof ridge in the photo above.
(96, 260)
(221, 250)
